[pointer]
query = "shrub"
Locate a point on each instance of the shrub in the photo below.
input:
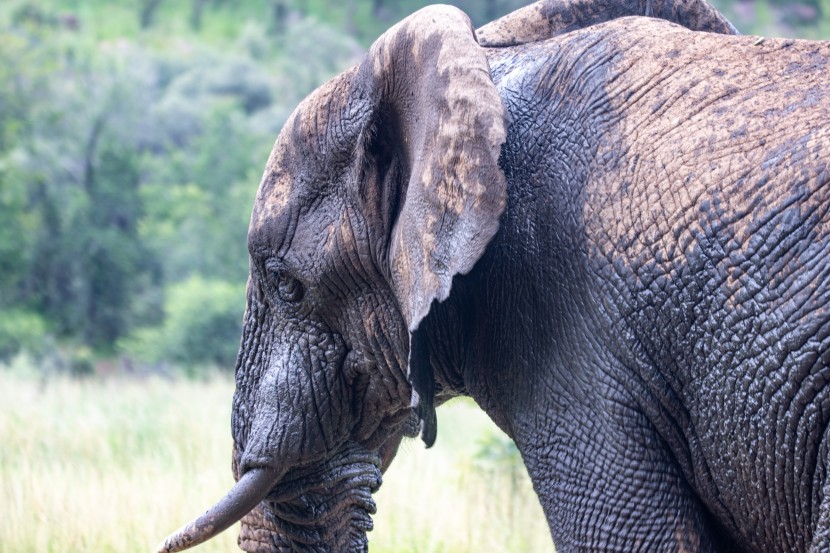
(20, 330)
(496, 453)
(81, 362)
(203, 322)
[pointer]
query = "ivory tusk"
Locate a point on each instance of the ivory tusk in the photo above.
(243, 497)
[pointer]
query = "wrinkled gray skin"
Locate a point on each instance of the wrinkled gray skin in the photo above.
(615, 240)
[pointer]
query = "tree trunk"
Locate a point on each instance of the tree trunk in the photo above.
(196, 15)
(148, 11)
(351, 7)
(280, 14)
(491, 10)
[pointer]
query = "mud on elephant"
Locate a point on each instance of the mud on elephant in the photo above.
(612, 232)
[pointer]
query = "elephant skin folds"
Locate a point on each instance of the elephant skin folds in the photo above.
(610, 231)
(680, 191)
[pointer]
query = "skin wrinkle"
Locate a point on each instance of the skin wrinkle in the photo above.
(336, 285)
(403, 260)
(347, 243)
(374, 331)
(362, 247)
(353, 271)
(384, 373)
(749, 231)
(810, 457)
(345, 486)
(596, 130)
(711, 263)
(315, 394)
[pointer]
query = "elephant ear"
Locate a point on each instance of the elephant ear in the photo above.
(430, 174)
(440, 121)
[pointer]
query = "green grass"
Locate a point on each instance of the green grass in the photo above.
(117, 465)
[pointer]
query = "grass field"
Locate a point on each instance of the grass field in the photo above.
(116, 465)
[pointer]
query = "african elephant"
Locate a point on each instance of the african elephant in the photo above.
(616, 240)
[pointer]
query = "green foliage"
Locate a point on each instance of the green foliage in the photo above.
(204, 321)
(87, 258)
(81, 362)
(763, 14)
(802, 18)
(309, 38)
(20, 330)
(123, 171)
(20, 93)
(496, 453)
(198, 199)
(202, 326)
(822, 27)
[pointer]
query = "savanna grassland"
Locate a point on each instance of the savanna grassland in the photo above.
(116, 464)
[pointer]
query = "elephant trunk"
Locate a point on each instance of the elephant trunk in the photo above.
(251, 488)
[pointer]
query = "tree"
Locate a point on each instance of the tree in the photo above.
(147, 12)
(196, 14)
(279, 15)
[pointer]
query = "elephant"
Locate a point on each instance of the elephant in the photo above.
(612, 232)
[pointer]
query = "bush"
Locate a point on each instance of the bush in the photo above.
(497, 453)
(202, 326)
(21, 331)
(81, 362)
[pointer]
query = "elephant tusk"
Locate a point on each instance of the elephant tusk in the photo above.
(243, 497)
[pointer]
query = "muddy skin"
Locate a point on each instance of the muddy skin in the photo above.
(676, 333)
(611, 234)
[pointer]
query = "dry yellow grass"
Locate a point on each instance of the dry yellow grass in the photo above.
(117, 465)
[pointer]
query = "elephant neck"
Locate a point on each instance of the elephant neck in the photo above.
(521, 333)
(516, 350)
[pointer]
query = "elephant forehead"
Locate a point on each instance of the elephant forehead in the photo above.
(307, 237)
(274, 189)
(311, 145)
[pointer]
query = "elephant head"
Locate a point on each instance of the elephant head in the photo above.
(383, 185)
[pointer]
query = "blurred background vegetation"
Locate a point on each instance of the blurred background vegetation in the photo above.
(113, 465)
(132, 137)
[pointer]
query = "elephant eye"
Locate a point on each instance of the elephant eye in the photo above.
(289, 288)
